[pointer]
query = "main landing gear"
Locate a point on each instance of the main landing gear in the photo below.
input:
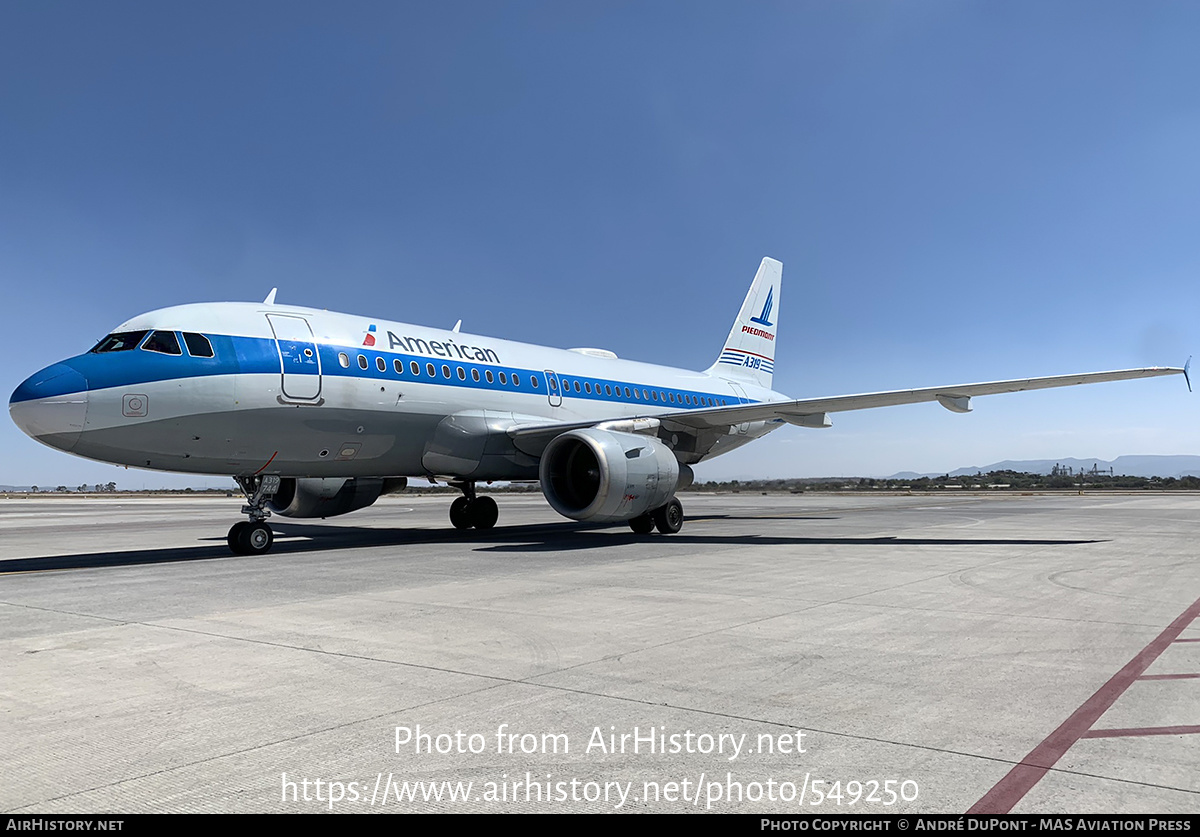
(470, 511)
(254, 536)
(667, 519)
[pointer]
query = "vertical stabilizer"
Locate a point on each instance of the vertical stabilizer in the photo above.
(749, 351)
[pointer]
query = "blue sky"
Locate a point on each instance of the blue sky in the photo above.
(959, 191)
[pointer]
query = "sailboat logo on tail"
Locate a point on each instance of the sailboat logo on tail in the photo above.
(763, 318)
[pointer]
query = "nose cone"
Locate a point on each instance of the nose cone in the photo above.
(51, 406)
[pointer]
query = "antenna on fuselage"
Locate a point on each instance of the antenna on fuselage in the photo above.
(270, 300)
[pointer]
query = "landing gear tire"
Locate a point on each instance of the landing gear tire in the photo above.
(235, 532)
(642, 524)
(254, 536)
(460, 513)
(669, 518)
(255, 539)
(484, 513)
(477, 512)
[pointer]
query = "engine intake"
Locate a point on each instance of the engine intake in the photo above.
(604, 475)
(330, 496)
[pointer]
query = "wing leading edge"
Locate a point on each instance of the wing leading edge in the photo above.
(813, 412)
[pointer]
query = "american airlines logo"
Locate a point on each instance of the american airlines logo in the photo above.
(369, 340)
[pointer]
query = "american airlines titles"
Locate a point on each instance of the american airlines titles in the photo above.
(447, 348)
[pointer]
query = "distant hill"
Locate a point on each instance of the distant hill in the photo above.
(1131, 466)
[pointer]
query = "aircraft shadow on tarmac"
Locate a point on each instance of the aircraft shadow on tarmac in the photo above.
(548, 537)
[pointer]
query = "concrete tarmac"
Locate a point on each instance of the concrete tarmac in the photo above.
(813, 653)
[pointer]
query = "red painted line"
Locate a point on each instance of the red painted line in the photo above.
(1121, 733)
(1168, 676)
(1020, 780)
(269, 461)
(745, 352)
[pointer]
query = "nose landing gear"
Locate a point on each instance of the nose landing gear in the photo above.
(254, 536)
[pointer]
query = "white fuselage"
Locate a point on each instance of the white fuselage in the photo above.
(304, 393)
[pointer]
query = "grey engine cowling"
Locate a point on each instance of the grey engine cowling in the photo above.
(603, 475)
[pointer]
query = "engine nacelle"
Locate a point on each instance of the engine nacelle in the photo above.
(604, 475)
(330, 496)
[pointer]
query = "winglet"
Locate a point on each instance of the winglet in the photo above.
(270, 300)
(1186, 376)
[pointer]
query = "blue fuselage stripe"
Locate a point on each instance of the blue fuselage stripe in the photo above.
(260, 355)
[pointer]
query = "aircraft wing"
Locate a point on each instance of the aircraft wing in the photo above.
(813, 412)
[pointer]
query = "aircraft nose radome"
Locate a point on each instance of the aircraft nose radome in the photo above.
(51, 406)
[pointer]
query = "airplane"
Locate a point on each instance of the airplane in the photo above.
(316, 414)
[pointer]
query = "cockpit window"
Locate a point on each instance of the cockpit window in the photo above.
(163, 342)
(197, 344)
(120, 341)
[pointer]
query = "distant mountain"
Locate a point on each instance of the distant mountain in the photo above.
(1130, 466)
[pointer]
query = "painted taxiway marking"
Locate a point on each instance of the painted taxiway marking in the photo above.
(1134, 731)
(1020, 780)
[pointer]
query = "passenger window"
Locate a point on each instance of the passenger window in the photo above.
(415, 367)
(197, 344)
(381, 364)
(626, 392)
(475, 375)
(503, 378)
(432, 372)
(553, 384)
(577, 386)
(588, 387)
(362, 361)
(533, 382)
(398, 365)
(488, 375)
(445, 371)
(163, 342)
(121, 341)
(462, 374)
(344, 360)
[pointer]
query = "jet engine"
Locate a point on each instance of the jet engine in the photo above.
(329, 496)
(604, 475)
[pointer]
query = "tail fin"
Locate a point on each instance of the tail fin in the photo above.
(749, 352)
